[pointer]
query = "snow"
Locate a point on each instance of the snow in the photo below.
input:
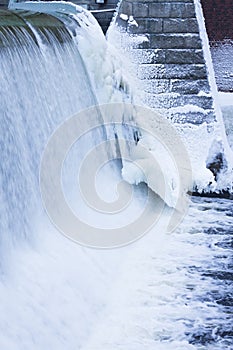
(203, 93)
(124, 17)
(222, 60)
(132, 21)
(226, 98)
(226, 102)
(104, 65)
(187, 109)
(158, 153)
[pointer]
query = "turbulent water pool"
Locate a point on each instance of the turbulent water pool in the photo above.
(166, 291)
(180, 295)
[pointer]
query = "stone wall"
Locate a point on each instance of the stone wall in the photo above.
(171, 66)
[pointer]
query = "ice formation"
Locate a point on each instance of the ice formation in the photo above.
(203, 139)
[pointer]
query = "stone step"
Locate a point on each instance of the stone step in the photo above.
(159, 9)
(183, 86)
(171, 10)
(178, 56)
(180, 25)
(195, 118)
(172, 71)
(159, 25)
(175, 100)
(171, 41)
(180, 86)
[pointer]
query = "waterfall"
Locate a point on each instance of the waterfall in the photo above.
(45, 77)
(43, 82)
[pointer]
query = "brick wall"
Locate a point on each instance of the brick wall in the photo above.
(219, 19)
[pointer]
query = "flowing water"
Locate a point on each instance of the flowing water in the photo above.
(163, 292)
(177, 295)
(38, 91)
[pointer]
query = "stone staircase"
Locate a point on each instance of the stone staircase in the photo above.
(170, 62)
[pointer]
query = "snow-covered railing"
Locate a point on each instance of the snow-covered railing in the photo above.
(104, 10)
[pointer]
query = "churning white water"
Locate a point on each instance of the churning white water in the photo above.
(166, 291)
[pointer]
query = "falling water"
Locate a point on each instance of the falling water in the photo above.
(41, 86)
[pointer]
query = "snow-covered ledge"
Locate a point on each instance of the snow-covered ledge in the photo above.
(42, 6)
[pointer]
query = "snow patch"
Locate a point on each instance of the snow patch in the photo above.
(124, 17)
(226, 98)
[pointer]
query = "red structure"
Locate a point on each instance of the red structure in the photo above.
(219, 19)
